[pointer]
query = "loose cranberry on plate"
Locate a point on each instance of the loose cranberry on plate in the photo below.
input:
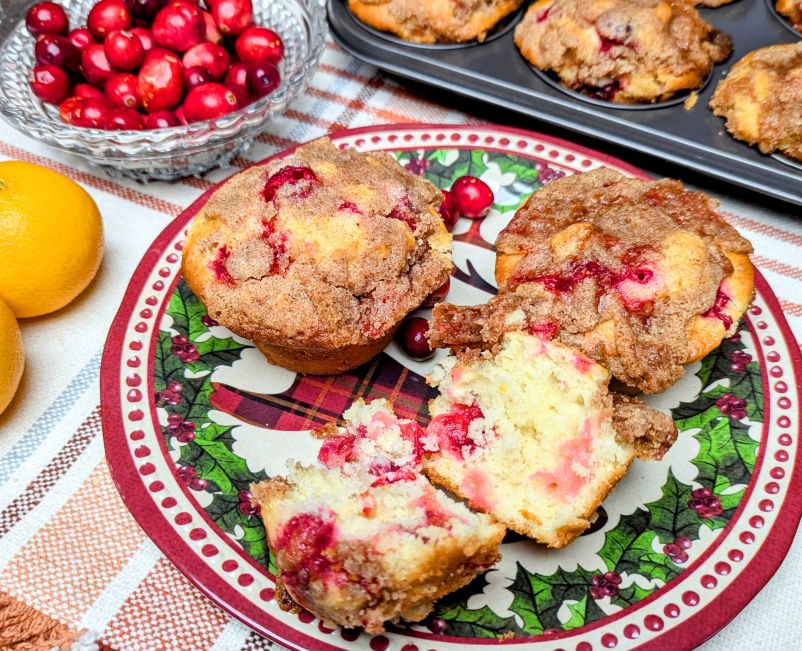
(438, 295)
(145, 37)
(263, 78)
(448, 210)
(196, 76)
(47, 18)
(50, 83)
(259, 44)
(213, 58)
(95, 65)
(179, 26)
(124, 50)
(90, 113)
(473, 197)
(237, 81)
(209, 101)
(412, 338)
(124, 119)
(122, 90)
(213, 33)
(144, 9)
(58, 51)
(81, 38)
(233, 17)
(161, 120)
(108, 16)
(88, 91)
(161, 82)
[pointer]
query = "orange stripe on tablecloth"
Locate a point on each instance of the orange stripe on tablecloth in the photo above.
(387, 116)
(50, 474)
(167, 612)
(764, 229)
(129, 194)
(794, 309)
(778, 267)
(67, 564)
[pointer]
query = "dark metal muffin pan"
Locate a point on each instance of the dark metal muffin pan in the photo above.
(495, 71)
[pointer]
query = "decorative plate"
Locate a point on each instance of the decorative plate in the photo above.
(193, 414)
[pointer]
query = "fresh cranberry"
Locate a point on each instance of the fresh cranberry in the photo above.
(124, 50)
(438, 295)
(448, 210)
(262, 78)
(108, 16)
(213, 33)
(157, 52)
(213, 58)
(161, 83)
(121, 90)
(144, 9)
(208, 102)
(124, 119)
(179, 114)
(50, 83)
(179, 26)
(145, 37)
(47, 18)
(90, 113)
(233, 17)
(88, 91)
(259, 44)
(68, 109)
(413, 339)
(289, 175)
(81, 38)
(161, 120)
(58, 51)
(237, 81)
(473, 197)
(95, 65)
(196, 76)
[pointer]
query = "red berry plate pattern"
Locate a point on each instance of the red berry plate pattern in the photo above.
(193, 414)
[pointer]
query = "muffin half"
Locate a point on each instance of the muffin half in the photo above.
(318, 257)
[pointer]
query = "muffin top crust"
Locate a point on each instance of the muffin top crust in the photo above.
(761, 99)
(434, 21)
(325, 248)
(636, 274)
(623, 51)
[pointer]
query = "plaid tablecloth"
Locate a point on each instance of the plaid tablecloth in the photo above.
(73, 563)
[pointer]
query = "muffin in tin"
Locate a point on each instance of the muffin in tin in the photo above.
(643, 277)
(622, 51)
(792, 10)
(761, 99)
(318, 257)
(434, 21)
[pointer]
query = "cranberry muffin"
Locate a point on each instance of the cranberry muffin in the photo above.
(641, 276)
(623, 51)
(530, 434)
(792, 10)
(367, 539)
(434, 21)
(318, 257)
(761, 99)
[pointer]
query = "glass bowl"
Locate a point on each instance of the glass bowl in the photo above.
(165, 154)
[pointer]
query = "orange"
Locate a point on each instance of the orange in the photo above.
(51, 238)
(12, 357)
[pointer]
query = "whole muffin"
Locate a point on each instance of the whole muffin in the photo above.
(318, 257)
(792, 10)
(641, 276)
(434, 21)
(761, 99)
(623, 51)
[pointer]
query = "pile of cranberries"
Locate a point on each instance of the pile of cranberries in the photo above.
(469, 197)
(151, 64)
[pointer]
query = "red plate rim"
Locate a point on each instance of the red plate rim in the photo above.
(129, 483)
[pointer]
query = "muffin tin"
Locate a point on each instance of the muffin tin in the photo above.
(495, 71)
